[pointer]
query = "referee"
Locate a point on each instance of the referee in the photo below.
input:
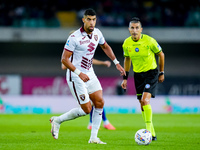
(141, 49)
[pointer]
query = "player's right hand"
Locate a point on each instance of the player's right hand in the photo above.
(124, 84)
(84, 77)
(121, 69)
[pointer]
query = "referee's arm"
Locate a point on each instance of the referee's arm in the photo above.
(161, 62)
(127, 66)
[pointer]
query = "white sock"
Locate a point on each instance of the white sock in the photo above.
(72, 114)
(96, 122)
(106, 122)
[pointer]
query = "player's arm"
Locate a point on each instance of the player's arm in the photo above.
(99, 62)
(109, 52)
(63, 66)
(127, 66)
(95, 62)
(161, 62)
(65, 61)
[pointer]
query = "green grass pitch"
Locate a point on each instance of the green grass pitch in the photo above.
(24, 132)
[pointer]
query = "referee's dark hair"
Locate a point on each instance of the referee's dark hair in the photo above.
(89, 12)
(135, 20)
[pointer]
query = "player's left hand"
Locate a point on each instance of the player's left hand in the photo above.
(107, 63)
(121, 69)
(161, 78)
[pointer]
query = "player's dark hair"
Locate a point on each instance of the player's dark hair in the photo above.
(89, 12)
(135, 20)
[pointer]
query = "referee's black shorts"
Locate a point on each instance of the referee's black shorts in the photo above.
(146, 82)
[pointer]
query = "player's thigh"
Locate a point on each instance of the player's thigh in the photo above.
(79, 91)
(95, 92)
(97, 99)
(93, 85)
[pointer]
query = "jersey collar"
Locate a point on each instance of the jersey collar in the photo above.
(139, 39)
(84, 33)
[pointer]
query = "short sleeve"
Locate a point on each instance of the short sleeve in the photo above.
(101, 38)
(155, 47)
(70, 43)
(125, 49)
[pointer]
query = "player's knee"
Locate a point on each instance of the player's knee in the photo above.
(102, 103)
(145, 101)
(87, 108)
(99, 103)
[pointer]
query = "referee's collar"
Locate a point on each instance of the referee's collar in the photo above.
(141, 37)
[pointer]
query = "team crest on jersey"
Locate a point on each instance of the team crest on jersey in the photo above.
(137, 49)
(96, 37)
(82, 97)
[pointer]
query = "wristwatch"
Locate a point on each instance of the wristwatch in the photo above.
(161, 73)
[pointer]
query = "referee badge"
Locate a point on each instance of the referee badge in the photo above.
(159, 47)
(137, 49)
(82, 97)
(147, 86)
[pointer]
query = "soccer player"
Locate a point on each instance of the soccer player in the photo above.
(106, 123)
(141, 49)
(77, 57)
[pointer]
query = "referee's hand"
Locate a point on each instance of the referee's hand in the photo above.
(124, 84)
(161, 78)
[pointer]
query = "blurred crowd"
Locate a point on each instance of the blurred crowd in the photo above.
(153, 13)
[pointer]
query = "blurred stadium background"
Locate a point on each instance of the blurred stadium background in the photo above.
(33, 34)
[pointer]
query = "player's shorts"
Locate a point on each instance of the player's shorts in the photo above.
(81, 90)
(146, 82)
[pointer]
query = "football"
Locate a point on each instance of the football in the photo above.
(143, 137)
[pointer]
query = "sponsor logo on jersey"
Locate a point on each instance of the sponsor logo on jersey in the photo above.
(147, 86)
(91, 47)
(86, 63)
(82, 97)
(84, 42)
(137, 49)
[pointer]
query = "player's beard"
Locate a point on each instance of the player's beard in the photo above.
(90, 30)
